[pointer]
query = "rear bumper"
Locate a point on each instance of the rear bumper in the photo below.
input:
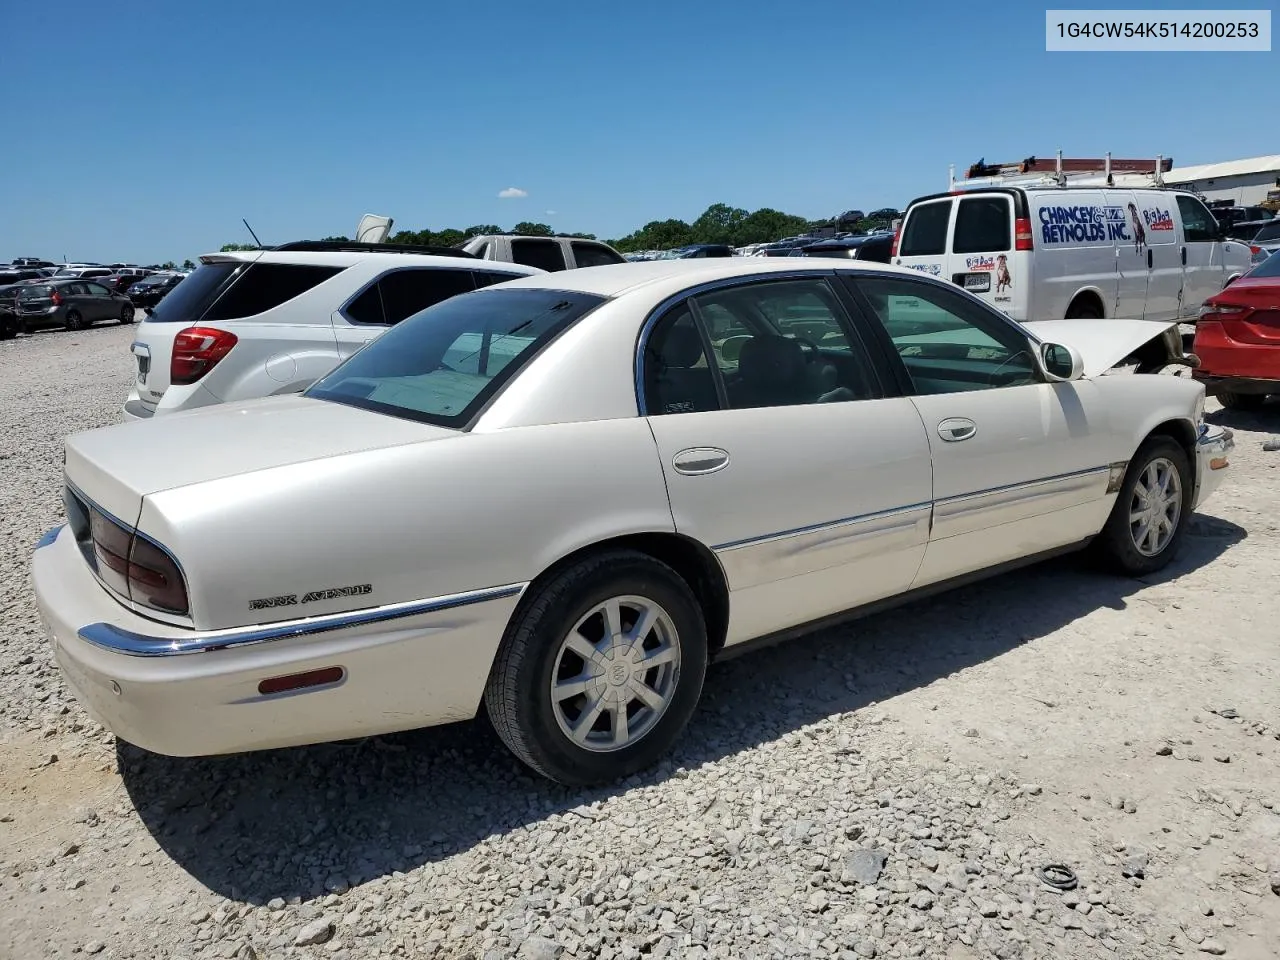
(1213, 385)
(1213, 450)
(186, 693)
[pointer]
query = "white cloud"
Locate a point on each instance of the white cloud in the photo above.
(551, 213)
(512, 193)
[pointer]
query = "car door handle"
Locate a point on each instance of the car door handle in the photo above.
(1184, 256)
(957, 428)
(1150, 261)
(698, 461)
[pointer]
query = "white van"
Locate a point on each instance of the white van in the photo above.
(1045, 253)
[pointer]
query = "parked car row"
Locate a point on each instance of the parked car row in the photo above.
(71, 304)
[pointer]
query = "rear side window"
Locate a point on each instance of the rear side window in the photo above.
(544, 254)
(925, 232)
(264, 286)
(982, 226)
(593, 255)
(487, 278)
(403, 293)
(188, 299)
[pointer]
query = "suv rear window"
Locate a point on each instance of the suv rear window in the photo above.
(442, 365)
(230, 289)
(925, 232)
(982, 226)
(545, 254)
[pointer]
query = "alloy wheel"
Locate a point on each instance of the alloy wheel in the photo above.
(1156, 507)
(615, 674)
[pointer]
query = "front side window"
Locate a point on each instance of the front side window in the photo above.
(783, 343)
(948, 343)
(543, 254)
(593, 255)
(983, 225)
(1198, 225)
(925, 232)
(442, 365)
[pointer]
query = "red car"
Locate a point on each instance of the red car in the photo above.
(1238, 339)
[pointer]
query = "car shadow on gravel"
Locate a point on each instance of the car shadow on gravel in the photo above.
(299, 823)
(1266, 419)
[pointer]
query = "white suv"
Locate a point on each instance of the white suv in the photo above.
(262, 322)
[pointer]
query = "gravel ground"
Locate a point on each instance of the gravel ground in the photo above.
(885, 790)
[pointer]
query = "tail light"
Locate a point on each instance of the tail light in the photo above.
(1022, 234)
(1221, 311)
(56, 297)
(135, 567)
(196, 351)
(897, 234)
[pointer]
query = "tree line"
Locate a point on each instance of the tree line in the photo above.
(719, 223)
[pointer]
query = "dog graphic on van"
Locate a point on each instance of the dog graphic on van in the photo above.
(1004, 280)
(1139, 232)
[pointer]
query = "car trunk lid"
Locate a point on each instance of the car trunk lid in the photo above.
(116, 467)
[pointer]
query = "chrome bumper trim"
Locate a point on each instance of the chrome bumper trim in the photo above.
(119, 640)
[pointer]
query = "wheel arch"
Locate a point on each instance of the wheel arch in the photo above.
(693, 561)
(1084, 295)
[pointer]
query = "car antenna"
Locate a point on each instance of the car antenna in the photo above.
(252, 234)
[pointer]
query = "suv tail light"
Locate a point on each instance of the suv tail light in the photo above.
(1022, 234)
(56, 298)
(135, 567)
(897, 234)
(196, 351)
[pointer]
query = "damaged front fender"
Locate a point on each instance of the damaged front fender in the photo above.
(1104, 344)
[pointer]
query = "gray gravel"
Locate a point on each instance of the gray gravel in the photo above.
(882, 791)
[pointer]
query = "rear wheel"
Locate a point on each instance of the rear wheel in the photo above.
(74, 321)
(8, 328)
(126, 313)
(1241, 401)
(600, 669)
(1084, 308)
(1149, 518)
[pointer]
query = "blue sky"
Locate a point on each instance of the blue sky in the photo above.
(147, 135)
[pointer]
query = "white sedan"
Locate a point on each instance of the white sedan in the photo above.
(557, 499)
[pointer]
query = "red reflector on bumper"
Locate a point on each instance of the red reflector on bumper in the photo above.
(299, 681)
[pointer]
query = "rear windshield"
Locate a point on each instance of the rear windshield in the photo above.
(925, 233)
(443, 364)
(228, 290)
(1268, 233)
(1269, 267)
(35, 290)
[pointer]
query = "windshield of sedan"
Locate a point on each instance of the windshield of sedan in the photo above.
(442, 365)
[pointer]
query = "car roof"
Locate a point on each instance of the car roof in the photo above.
(615, 279)
(347, 258)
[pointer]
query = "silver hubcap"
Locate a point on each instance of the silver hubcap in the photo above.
(615, 674)
(1156, 507)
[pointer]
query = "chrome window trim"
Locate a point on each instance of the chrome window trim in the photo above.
(656, 315)
(120, 640)
(825, 525)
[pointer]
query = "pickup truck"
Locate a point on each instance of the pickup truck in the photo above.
(546, 253)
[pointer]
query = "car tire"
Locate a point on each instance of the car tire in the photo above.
(126, 314)
(8, 329)
(1127, 545)
(1241, 401)
(559, 623)
(1085, 308)
(73, 320)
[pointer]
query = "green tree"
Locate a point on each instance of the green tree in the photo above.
(337, 239)
(170, 265)
(719, 223)
(482, 230)
(656, 235)
(188, 264)
(525, 228)
(767, 224)
(449, 238)
(229, 247)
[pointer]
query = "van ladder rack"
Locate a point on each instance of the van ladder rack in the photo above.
(1061, 170)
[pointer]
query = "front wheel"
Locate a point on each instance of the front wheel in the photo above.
(1241, 401)
(600, 669)
(1149, 518)
(126, 313)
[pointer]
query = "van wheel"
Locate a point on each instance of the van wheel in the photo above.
(1241, 401)
(1084, 308)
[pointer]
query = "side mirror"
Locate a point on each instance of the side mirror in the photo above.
(1060, 362)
